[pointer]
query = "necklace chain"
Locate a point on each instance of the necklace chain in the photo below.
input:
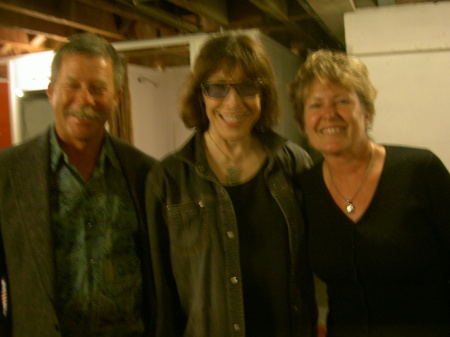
(232, 171)
(350, 206)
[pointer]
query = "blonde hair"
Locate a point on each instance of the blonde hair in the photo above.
(332, 67)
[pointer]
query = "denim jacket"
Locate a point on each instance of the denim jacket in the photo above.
(195, 247)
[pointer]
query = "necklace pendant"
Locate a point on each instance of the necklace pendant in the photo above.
(350, 207)
(232, 175)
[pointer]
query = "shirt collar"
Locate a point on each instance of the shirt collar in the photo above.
(58, 155)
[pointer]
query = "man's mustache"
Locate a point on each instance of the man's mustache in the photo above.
(84, 113)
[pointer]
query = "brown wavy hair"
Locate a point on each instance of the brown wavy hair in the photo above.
(227, 52)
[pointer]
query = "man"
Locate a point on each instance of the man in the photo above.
(74, 255)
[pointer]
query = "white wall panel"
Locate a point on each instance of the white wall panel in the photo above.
(407, 51)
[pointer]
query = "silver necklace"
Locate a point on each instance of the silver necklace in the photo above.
(350, 206)
(233, 173)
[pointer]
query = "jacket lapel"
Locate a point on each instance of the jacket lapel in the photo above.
(130, 172)
(31, 189)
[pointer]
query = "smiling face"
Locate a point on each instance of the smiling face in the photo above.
(233, 117)
(335, 119)
(82, 97)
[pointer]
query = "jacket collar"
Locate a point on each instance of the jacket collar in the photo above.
(193, 152)
(57, 155)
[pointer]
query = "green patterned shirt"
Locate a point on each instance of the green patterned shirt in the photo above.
(98, 269)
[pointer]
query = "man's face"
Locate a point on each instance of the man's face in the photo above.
(83, 96)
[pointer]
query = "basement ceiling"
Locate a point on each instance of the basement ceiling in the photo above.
(40, 25)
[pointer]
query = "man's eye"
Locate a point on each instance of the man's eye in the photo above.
(71, 85)
(97, 90)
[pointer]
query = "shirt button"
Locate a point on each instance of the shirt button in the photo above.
(234, 280)
(92, 261)
(230, 235)
(201, 204)
(237, 327)
(89, 225)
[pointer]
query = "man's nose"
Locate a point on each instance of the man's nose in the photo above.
(84, 96)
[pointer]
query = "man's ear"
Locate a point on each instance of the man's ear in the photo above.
(117, 96)
(50, 91)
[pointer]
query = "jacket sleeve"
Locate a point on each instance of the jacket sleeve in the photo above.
(437, 179)
(170, 320)
(300, 159)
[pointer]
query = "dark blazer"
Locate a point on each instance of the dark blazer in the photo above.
(27, 258)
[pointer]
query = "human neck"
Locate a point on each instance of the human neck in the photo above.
(83, 155)
(349, 198)
(233, 150)
(350, 162)
(235, 161)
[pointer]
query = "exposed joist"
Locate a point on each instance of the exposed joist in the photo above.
(162, 16)
(6, 49)
(126, 11)
(297, 24)
(31, 25)
(15, 38)
(52, 14)
(24, 47)
(9, 34)
(38, 40)
(213, 9)
(278, 10)
(386, 2)
(159, 52)
(331, 13)
(310, 10)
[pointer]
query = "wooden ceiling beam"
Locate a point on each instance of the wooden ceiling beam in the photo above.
(318, 19)
(31, 25)
(275, 8)
(158, 52)
(162, 16)
(70, 13)
(331, 12)
(127, 12)
(10, 35)
(38, 40)
(212, 9)
(19, 40)
(278, 9)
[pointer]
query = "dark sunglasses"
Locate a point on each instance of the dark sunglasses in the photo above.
(221, 90)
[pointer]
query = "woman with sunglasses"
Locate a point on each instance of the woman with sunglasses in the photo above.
(225, 226)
